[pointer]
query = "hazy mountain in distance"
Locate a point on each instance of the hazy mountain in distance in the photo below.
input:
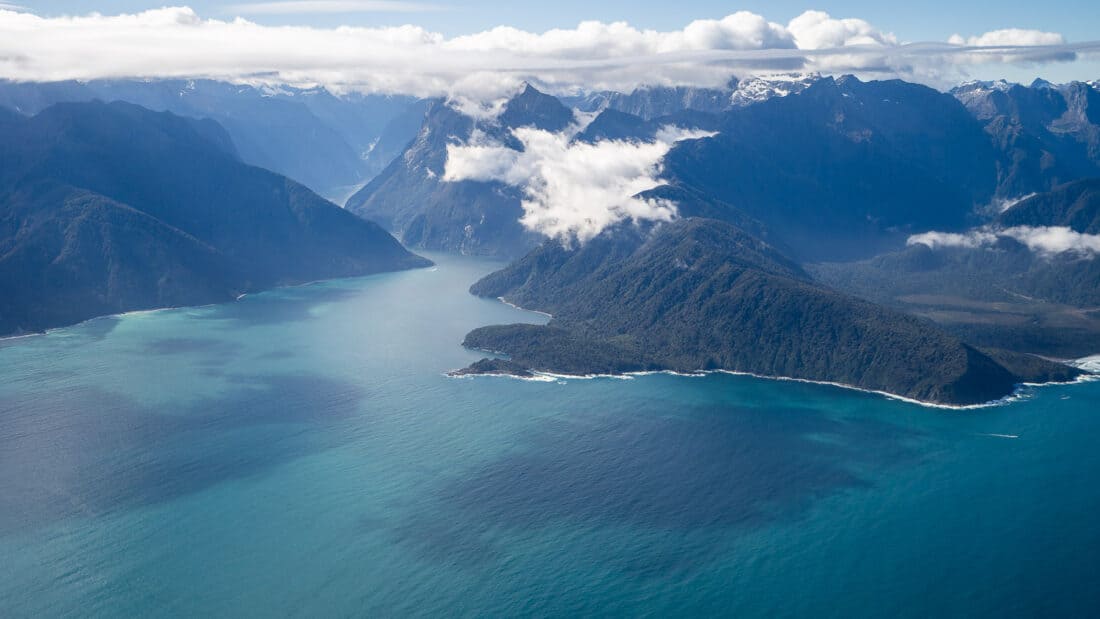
(310, 135)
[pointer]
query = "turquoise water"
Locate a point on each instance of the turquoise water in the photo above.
(301, 453)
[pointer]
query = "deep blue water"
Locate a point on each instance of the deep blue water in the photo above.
(301, 453)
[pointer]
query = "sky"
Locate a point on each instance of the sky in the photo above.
(932, 20)
(478, 48)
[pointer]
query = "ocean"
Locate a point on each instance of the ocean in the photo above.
(302, 453)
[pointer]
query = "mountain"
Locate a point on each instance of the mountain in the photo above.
(845, 168)
(112, 207)
(656, 101)
(700, 294)
(760, 88)
(395, 136)
(652, 102)
(1046, 134)
(1074, 205)
(410, 199)
(310, 135)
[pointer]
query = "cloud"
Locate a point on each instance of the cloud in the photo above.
(817, 30)
(1051, 240)
(1044, 240)
(177, 42)
(292, 7)
(1010, 36)
(572, 190)
(1015, 45)
(969, 240)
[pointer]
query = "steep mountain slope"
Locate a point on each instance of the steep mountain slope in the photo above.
(410, 198)
(1046, 134)
(845, 168)
(700, 294)
(1074, 205)
(112, 207)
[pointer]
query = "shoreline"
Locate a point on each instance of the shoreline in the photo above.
(1090, 365)
(523, 309)
(1018, 393)
(239, 297)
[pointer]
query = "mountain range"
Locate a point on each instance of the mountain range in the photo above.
(329, 143)
(878, 234)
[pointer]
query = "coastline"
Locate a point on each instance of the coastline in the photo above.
(524, 309)
(1090, 365)
(1018, 394)
(239, 297)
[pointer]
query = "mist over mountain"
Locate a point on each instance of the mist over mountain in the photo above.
(1030, 281)
(411, 198)
(835, 168)
(112, 207)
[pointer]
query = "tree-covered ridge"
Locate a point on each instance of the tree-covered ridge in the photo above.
(700, 294)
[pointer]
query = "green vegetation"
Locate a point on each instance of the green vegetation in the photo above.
(700, 294)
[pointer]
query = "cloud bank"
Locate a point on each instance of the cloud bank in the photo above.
(291, 7)
(1044, 240)
(177, 42)
(572, 190)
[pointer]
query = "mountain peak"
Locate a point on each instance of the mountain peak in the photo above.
(534, 108)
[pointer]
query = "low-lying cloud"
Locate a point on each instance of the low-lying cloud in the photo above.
(177, 42)
(573, 190)
(1044, 240)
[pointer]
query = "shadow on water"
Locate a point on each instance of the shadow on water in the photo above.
(190, 345)
(731, 468)
(84, 451)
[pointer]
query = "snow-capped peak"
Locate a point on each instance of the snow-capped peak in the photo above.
(757, 88)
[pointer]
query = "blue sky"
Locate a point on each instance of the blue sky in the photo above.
(936, 20)
(203, 41)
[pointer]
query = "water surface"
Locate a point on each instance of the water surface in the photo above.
(301, 453)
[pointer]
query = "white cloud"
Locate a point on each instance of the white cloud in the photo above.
(6, 6)
(969, 240)
(817, 30)
(572, 190)
(291, 7)
(1014, 45)
(177, 42)
(1055, 240)
(1044, 240)
(1009, 36)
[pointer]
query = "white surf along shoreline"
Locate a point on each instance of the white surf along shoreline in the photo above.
(1090, 365)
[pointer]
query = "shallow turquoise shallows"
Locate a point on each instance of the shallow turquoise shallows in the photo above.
(301, 453)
